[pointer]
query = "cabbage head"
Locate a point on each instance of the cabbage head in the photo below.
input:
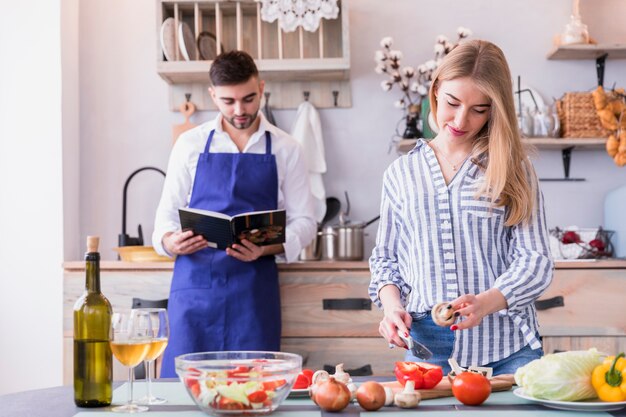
(564, 376)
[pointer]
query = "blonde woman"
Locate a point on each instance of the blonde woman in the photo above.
(462, 222)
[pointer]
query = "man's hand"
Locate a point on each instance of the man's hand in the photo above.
(245, 251)
(183, 243)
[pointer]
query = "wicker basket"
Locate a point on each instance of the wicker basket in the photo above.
(579, 118)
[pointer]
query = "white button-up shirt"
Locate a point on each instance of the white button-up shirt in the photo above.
(437, 242)
(293, 183)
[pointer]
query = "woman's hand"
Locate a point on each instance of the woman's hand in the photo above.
(474, 307)
(183, 243)
(245, 251)
(396, 320)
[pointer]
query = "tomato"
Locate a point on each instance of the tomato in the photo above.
(228, 404)
(424, 375)
(192, 382)
(195, 390)
(273, 385)
(471, 388)
(302, 382)
(239, 372)
(257, 396)
(309, 373)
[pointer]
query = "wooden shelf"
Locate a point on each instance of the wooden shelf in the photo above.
(563, 143)
(406, 145)
(614, 51)
(291, 63)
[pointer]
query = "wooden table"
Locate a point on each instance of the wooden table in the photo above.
(58, 402)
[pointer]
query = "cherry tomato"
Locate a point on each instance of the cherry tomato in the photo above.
(272, 385)
(257, 396)
(302, 382)
(228, 404)
(471, 388)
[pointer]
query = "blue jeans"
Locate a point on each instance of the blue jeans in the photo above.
(440, 341)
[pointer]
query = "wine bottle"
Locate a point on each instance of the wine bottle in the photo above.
(93, 361)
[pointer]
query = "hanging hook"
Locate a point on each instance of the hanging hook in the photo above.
(306, 95)
(335, 96)
(188, 96)
(267, 96)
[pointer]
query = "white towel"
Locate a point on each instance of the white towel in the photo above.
(307, 130)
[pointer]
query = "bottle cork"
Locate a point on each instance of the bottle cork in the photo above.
(92, 244)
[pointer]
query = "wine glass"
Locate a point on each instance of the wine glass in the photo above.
(159, 333)
(130, 343)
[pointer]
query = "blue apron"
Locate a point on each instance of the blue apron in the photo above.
(217, 302)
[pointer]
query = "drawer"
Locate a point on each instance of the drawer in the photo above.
(593, 304)
(328, 304)
(353, 352)
(607, 344)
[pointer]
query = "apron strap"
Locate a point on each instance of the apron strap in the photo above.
(208, 141)
(268, 143)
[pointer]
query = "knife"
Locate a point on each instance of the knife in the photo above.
(416, 348)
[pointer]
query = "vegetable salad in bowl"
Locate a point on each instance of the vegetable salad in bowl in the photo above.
(238, 382)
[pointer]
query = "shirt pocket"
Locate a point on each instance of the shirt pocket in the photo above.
(480, 207)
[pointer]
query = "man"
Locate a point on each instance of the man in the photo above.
(238, 162)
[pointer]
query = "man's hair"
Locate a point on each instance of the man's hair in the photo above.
(233, 67)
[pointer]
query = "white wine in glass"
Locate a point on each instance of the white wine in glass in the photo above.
(130, 343)
(160, 333)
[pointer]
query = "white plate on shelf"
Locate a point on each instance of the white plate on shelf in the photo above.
(588, 405)
(186, 42)
(168, 39)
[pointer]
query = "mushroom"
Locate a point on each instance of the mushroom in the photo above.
(388, 396)
(341, 375)
(443, 315)
(408, 398)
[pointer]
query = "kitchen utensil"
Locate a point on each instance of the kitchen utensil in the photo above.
(271, 374)
(344, 215)
(207, 46)
(333, 206)
(329, 243)
(417, 349)
(614, 209)
(168, 39)
(187, 109)
(313, 251)
(444, 388)
(186, 42)
(349, 242)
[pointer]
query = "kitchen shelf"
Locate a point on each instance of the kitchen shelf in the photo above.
(405, 145)
(569, 52)
(293, 64)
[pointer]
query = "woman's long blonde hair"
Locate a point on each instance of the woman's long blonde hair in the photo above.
(498, 149)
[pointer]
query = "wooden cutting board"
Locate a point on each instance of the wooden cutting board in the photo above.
(187, 109)
(444, 388)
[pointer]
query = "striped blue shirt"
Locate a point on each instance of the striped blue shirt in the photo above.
(437, 242)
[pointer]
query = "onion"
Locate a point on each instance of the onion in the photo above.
(371, 395)
(332, 395)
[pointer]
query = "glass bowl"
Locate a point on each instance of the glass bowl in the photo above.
(238, 382)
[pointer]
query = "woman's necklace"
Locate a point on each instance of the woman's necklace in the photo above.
(455, 166)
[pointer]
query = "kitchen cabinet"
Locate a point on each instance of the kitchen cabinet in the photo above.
(326, 313)
(291, 63)
(592, 314)
(328, 318)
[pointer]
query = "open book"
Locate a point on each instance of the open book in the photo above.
(221, 231)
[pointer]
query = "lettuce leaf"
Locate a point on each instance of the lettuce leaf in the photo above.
(564, 376)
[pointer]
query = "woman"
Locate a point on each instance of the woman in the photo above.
(462, 221)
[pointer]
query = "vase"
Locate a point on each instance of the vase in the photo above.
(412, 130)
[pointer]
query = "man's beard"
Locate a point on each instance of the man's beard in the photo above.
(247, 124)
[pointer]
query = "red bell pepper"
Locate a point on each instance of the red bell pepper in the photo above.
(424, 375)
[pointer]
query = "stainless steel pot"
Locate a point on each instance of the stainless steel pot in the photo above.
(350, 242)
(313, 251)
(329, 243)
